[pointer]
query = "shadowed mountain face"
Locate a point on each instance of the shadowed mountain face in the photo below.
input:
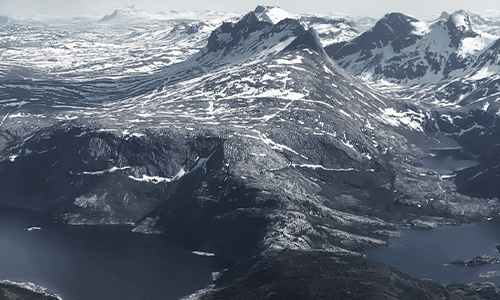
(258, 148)
(394, 28)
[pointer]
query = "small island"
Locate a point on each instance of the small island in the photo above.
(26, 291)
(477, 261)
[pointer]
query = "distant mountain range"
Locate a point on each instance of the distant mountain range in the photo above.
(130, 11)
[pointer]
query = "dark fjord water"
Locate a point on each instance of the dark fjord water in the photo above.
(97, 262)
(426, 253)
(447, 163)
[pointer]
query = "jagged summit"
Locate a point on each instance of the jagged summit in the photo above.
(395, 24)
(261, 9)
(129, 11)
(330, 29)
(460, 27)
(308, 40)
(460, 20)
(395, 29)
(229, 34)
(234, 43)
(271, 14)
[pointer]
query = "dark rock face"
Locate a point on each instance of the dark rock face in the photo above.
(259, 9)
(234, 43)
(444, 15)
(309, 40)
(393, 29)
(231, 34)
(48, 166)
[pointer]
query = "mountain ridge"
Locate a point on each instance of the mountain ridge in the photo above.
(422, 55)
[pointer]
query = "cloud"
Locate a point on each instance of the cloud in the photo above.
(58, 8)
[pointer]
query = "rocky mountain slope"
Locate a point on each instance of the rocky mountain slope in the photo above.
(447, 62)
(402, 50)
(258, 148)
(450, 68)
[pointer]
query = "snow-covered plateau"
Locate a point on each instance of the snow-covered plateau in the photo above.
(283, 143)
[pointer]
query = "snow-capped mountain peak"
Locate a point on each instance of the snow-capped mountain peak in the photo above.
(271, 14)
(330, 29)
(229, 34)
(249, 38)
(460, 27)
(395, 24)
(129, 11)
(460, 19)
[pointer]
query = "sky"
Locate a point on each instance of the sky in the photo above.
(372, 8)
